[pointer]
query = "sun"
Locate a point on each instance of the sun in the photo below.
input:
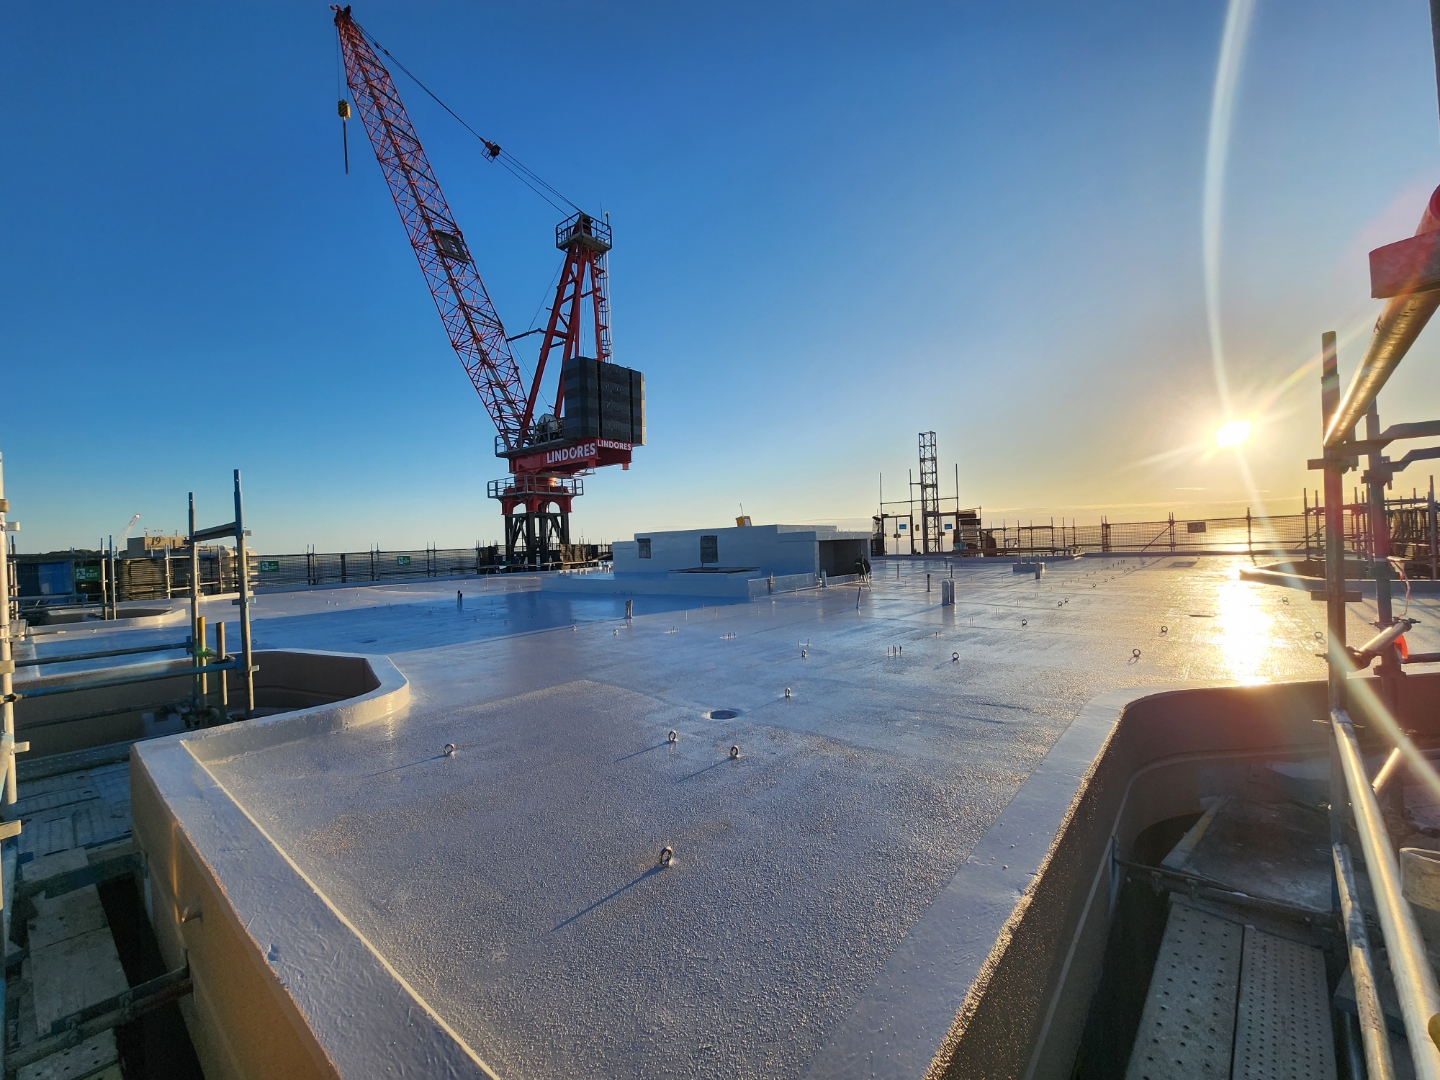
(1232, 433)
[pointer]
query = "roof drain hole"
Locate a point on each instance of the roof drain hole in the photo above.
(723, 714)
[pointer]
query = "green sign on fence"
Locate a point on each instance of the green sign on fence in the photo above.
(87, 573)
(402, 560)
(269, 566)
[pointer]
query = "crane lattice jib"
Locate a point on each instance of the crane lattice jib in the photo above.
(465, 307)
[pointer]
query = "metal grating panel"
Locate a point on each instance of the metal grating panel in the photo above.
(1188, 1026)
(43, 836)
(49, 800)
(1282, 1028)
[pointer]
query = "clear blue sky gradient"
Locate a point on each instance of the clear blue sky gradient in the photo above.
(835, 225)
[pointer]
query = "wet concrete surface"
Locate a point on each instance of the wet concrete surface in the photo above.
(515, 884)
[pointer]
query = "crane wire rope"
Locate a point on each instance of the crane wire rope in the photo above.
(527, 370)
(493, 151)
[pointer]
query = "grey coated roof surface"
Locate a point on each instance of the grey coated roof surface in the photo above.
(515, 884)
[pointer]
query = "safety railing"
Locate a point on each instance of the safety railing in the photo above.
(546, 433)
(1408, 274)
(1415, 984)
(581, 224)
(529, 484)
(129, 680)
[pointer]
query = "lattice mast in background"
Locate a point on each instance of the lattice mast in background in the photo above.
(465, 307)
(929, 495)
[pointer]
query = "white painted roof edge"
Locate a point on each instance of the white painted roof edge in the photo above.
(230, 740)
(367, 1019)
(177, 615)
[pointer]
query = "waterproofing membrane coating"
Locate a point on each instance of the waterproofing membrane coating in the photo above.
(515, 883)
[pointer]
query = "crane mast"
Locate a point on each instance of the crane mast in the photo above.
(547, 453)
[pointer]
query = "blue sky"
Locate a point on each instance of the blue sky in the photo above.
(835, 225)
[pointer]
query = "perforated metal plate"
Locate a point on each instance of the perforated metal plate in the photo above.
(1282, 1027)
(1188, 1027)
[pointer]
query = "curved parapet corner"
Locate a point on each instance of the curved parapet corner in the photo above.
(136, 615)
(284, 984)
(996, 978)
(299, 690)
(350, 689)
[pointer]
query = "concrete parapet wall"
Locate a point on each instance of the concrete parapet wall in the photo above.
(285, 986)
(771, 549)
(996, 978)
(286, 680)
(132, 616)
(43, 722)
(711, 586)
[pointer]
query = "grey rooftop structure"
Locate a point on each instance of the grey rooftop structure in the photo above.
(737, 562)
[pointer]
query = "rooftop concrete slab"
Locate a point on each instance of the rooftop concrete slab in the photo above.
(514, 884)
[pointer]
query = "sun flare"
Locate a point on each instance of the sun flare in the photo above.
(1232, 433)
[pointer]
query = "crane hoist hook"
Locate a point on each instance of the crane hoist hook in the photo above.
(492, 150)
(343, 108)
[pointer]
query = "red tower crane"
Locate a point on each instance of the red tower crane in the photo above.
(598, 416)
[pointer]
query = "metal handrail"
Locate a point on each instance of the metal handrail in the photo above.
(534, 442)
(582, 224)
(37, 661)
(1400, 323)
(1379, 1064)
(105, 684)
(1415, 984)
(530, 484)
